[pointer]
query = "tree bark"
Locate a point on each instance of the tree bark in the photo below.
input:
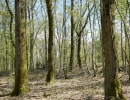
(64, 40)
(31, 62)
(92, 56)
(50, 76)
(113, 88)
(21, 71)
(128, 39)
(11, 21)
(79, 39)
(72, 37)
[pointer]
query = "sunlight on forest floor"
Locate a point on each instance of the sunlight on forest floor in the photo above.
(77, 87)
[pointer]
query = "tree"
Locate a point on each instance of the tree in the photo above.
(21, 71)
(11, 35)
(113, 88)
(72, 36)
(31, 19)
(79, 39)
(50, 75)
(93, 45)
(11, 21)
(64, 40)
(79, 28)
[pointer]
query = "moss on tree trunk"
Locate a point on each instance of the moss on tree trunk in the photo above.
(21, 71)
(113, 88)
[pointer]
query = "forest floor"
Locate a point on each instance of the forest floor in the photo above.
(79, 86)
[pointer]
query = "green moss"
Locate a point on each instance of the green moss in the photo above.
(119, 92)
(24, 89)
(115, 91)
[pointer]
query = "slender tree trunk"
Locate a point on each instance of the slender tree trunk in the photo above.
(6, 44)
(50, 76)
(85, 56)
(113, 88)
(92, 52)
(21, 71)
(31, 62)
(125, 52)
(129, 44)
(122, 54)
(6, 53)
(103, 69)
(79, 39)
(92, 56)
(11, 21)
(64, 40)
(60, 50)
(78, 51)
(45, 44)
(11, 63)
(72, 36)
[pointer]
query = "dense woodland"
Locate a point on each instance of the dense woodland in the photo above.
(64, 49)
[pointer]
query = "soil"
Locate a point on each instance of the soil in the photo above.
(78, 86)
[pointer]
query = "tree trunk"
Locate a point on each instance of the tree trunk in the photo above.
(64, 40)
(79, 38)
(92, 56)
(11, 21)
(129, 45)
(21, 71)
(50, 75)
(103, 65)
(12, 45)
(6, 44)
(45, 44)
(122, 54)
(113, 88)
(72, 37)
(31, 62)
